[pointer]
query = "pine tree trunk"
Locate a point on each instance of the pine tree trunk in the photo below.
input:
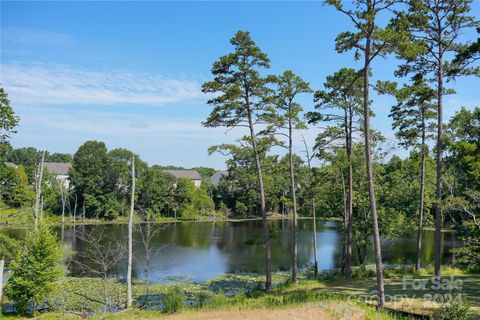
(345, 222)
(294, 199)
(422, 196)
(315, 261)
(371, 186)
(438, 192)
(130, 240)
(348, 253)
(314, 214)
(263, 209)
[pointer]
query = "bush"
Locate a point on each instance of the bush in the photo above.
(240, 208)
(363, 272)
(174, 300)
(455, 310)
(36, 270)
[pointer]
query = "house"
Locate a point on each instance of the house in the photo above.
(10, 165)
(60, 170)
(193, 175)
(217, 176)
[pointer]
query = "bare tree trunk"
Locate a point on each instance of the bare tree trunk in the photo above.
(263, 210)
(38, 188)
(345, 222)
(438, 192)
(371, 186)
(41, 208)
(75, 210)
(2, 266)
(422, 196)
(348, 252)
(314, 215)
(130, 240)
(62, 197)
(294, 199)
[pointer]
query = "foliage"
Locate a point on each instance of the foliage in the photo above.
(173, 300)
(8, 120)
(455, 310)
(463, 146)
(16, 191)
(36, 270)
(8, 247)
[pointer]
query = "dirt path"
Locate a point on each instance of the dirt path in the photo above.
(306, 312)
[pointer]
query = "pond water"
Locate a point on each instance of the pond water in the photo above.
(204, 250)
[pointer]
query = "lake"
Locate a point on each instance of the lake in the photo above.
(198, 251)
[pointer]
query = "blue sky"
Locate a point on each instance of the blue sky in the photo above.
(129, 73)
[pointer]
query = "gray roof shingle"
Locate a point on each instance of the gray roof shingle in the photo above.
(10, 165)
(58, 168)
(190, 174)
(217, 176)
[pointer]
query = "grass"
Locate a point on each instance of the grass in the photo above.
(330, 298)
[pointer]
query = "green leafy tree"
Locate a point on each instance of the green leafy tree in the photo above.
(59, 157)
(119, 168)
(157, 192)
(15, 189)
(28, 157)
(463, 146)
(23, 193)
(36, 270)
(434, 30)
(94, 185)
(8, 121)
(240, 96)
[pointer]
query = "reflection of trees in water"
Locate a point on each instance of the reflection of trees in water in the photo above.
(214, 248)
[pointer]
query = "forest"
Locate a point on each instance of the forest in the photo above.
(426, 179)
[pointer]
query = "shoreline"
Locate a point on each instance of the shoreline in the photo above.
(121, 221)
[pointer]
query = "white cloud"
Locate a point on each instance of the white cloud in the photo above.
(38, 83)
(36, 37)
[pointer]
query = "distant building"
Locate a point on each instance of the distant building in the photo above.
(11, 165)
(217, 176)
(189, 174)
(60, 170)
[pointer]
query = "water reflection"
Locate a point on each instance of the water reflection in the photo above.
(200, 251)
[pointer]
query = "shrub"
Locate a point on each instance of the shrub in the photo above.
(454, 310)
(363, 272)
(219, 300)
(240, 208)
(174, 300)
(36, 270)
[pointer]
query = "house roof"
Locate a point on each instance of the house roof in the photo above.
(190, 174)
(217, 176)
(58, 168)
(10, 165)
